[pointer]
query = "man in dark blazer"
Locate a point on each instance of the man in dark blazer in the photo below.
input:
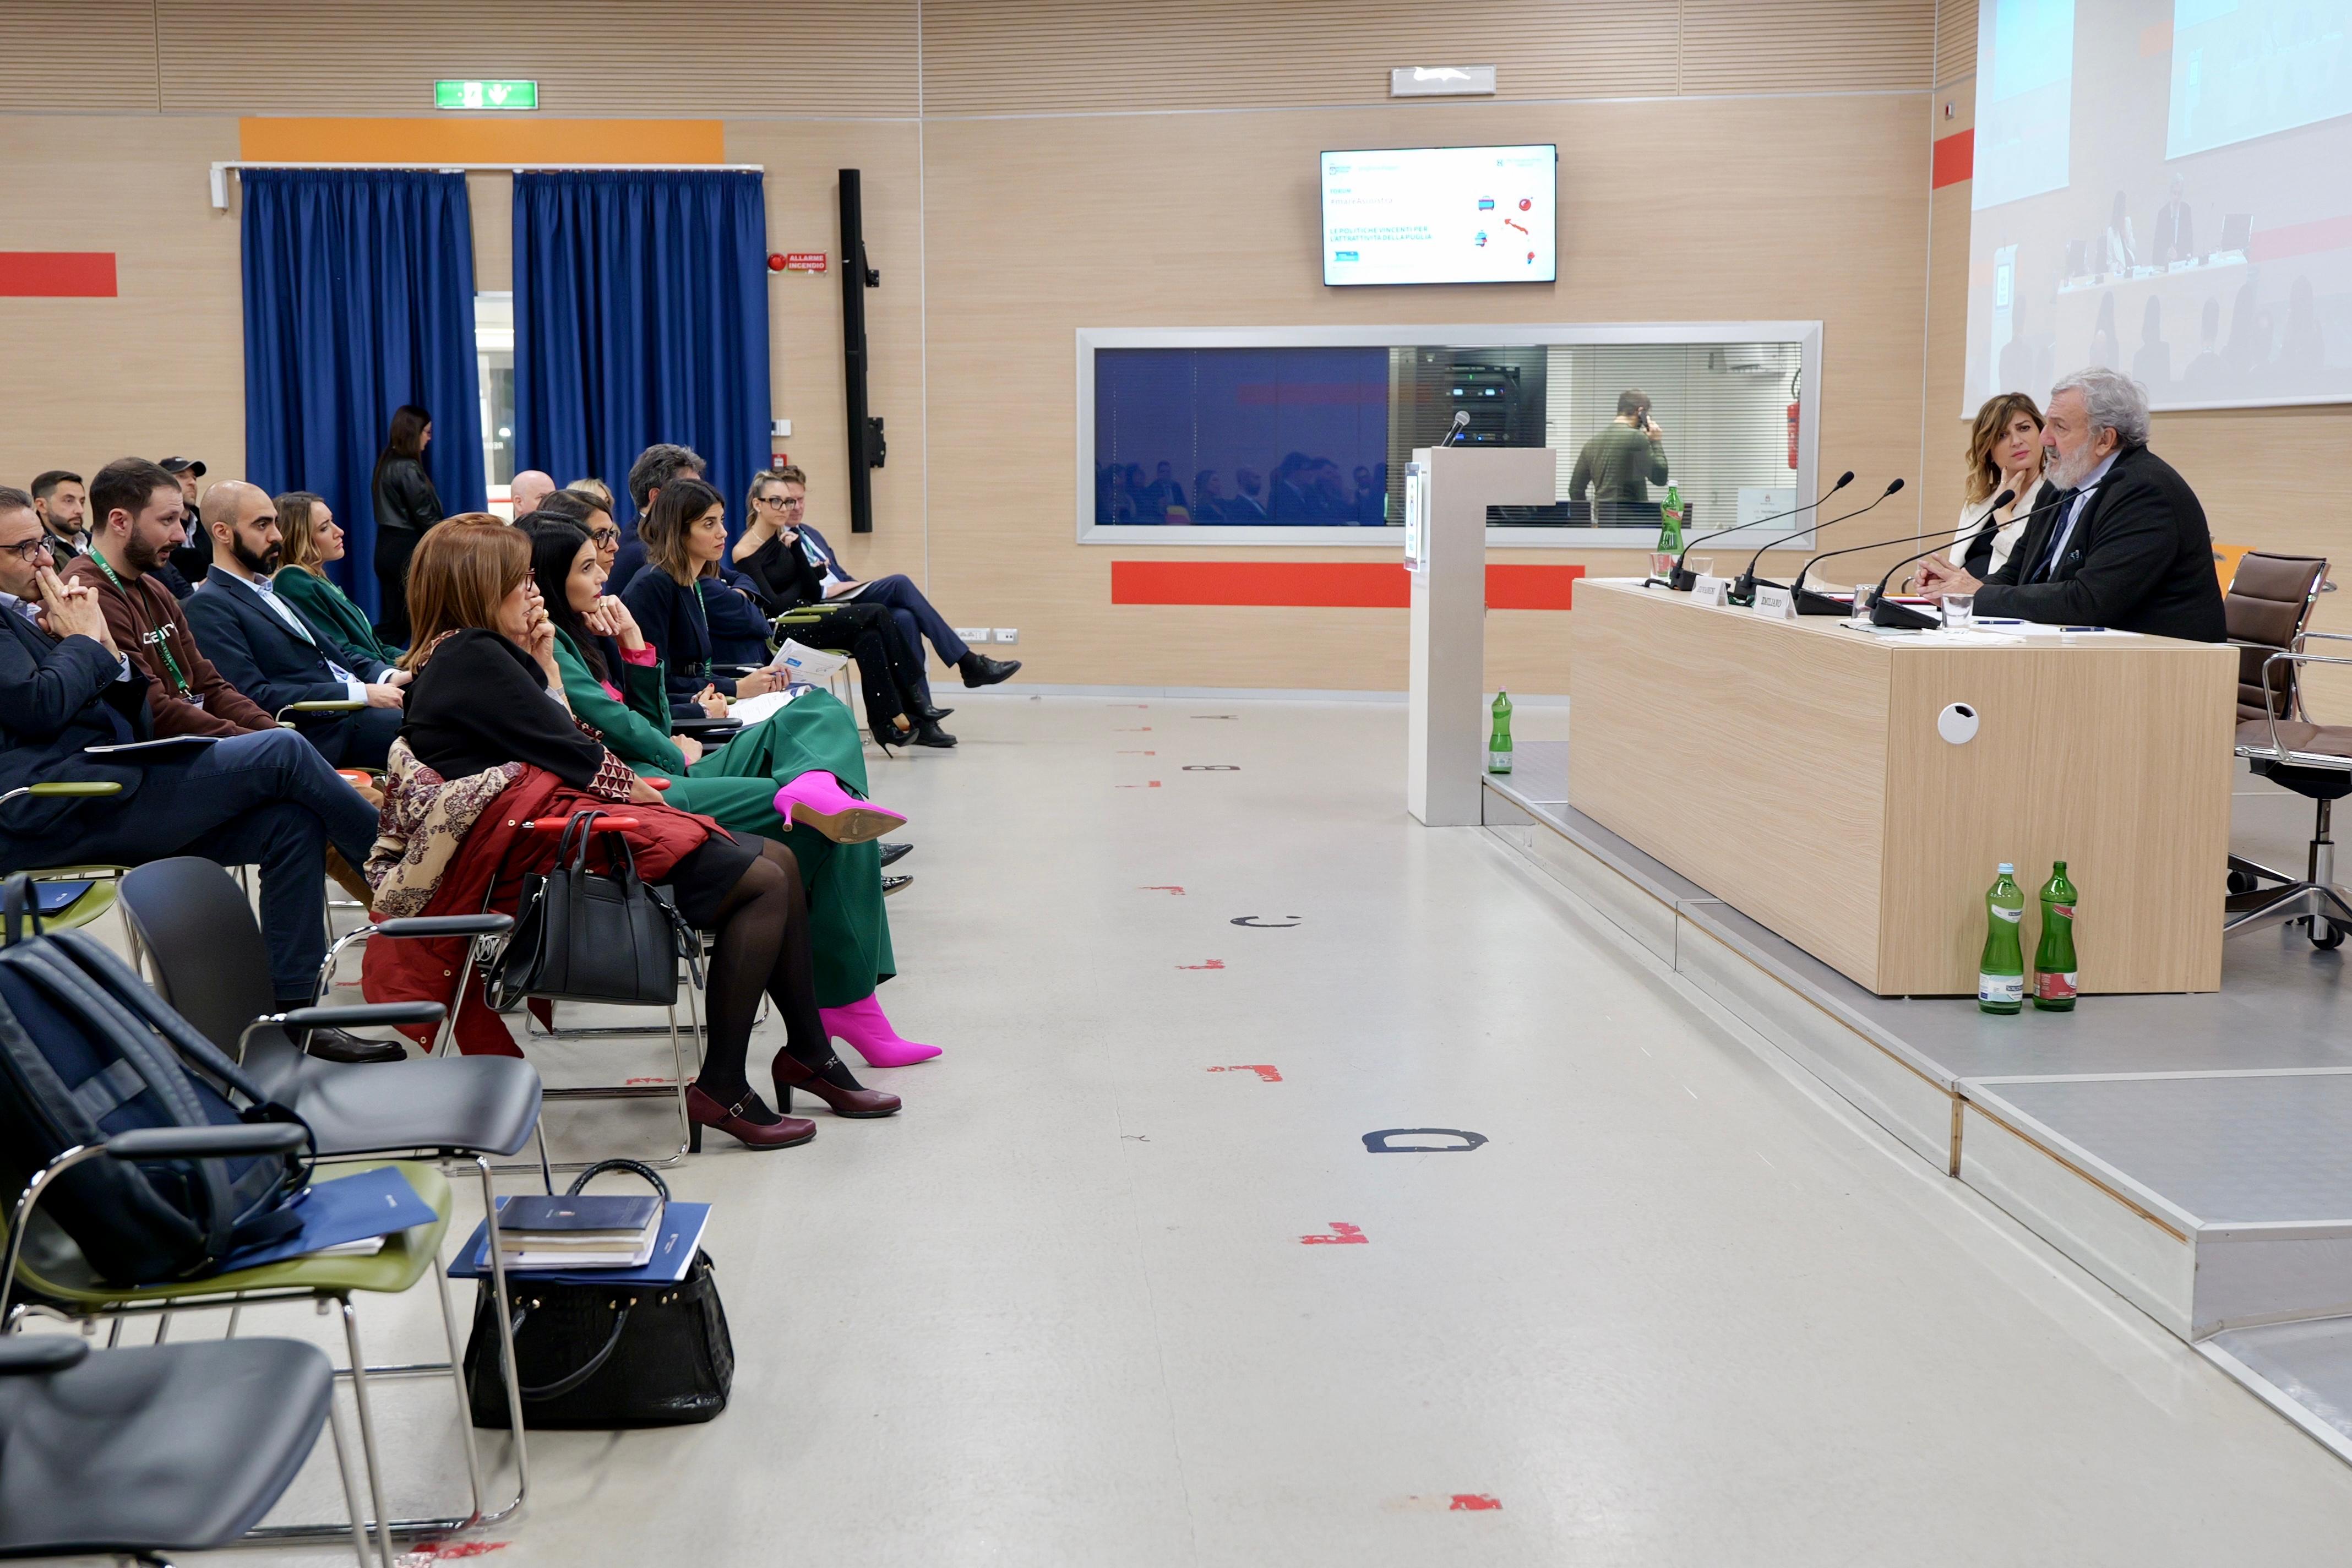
(262, 646)
(2123, 543)
(264, 799)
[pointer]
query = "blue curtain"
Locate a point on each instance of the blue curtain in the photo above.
(641, 315)
(359, 296)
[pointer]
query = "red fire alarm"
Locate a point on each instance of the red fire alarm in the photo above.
(776, 261)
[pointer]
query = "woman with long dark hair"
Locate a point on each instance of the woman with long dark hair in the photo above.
(407, 505)
(797, 776)
(684, 536)
(488, 698)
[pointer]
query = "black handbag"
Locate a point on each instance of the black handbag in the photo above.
(588, 936)
(605, 1356)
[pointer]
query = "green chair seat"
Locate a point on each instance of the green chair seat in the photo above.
(95, 901)
(405, 1259)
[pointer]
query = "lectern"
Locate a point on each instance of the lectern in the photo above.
(1447, 491)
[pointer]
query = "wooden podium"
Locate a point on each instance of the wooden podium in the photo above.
(1796, 770)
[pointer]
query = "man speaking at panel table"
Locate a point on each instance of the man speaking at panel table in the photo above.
(2124, 545)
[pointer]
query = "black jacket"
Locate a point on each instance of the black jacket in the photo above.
(783, 576)
(404, 496)
(481, 702)
(2139, 561)
(56, 698)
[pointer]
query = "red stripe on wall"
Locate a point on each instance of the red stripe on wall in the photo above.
(1956, 159)
(1321, 584)
(2299, 239)
(56, 274)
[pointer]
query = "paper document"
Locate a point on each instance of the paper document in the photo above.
(805, 663)
(767, 705)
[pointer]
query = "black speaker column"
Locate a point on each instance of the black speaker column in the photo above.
(866, 448)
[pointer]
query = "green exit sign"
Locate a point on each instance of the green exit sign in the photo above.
(485, 95)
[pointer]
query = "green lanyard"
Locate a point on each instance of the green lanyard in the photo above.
(702, 613)
(153, 639)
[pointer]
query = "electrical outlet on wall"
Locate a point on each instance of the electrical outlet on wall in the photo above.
(1008, 633)
(972, 634)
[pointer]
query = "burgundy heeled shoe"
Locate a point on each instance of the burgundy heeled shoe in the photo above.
(702, 1111)
(832, 1084)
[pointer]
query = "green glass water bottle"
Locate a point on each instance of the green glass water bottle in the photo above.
(1670, 520)
(2000, 973)
(1498, 744)
(2053, 960)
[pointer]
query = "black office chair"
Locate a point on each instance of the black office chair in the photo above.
(209, 962)
(2269, 608)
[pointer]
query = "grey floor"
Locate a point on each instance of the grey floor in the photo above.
(1675, 1311)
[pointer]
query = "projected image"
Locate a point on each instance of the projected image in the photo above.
(1440, 215)
(2164, 198)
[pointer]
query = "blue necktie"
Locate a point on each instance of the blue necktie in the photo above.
(2063, 508)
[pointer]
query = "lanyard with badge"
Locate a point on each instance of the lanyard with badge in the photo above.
(156, 639)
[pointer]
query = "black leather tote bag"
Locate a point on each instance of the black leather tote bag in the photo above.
(589, 936)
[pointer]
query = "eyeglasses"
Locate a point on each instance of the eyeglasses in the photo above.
(605, 536)
(783, 503)
(36, 545)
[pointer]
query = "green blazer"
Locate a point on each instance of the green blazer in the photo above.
(637, 731)
(332, 617)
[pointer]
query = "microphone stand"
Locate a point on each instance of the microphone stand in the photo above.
(1818, 603)
(1904, 617)
(1682, 580)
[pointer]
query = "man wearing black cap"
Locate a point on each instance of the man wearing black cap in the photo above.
(191, 561)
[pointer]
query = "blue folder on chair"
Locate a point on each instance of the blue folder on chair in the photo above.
(342, 1211)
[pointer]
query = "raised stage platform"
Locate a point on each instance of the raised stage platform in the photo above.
(2194, 1151)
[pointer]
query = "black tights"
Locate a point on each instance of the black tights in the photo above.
(763, 947)
(890, 675)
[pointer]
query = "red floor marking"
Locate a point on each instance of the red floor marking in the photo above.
(1143, 730)
(1146, 706)
(1178, 891)
(1138, 754)
(633, 1082)
(1213, 964)
(1346, 1233)
(1472, 1502)
(446, 1551)
(1265, 1073)
(1153, 784)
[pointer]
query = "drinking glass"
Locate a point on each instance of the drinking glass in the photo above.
(1865, 595)
(1699, 565)
(1959, 611)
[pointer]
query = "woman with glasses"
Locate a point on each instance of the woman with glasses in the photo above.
(313, 540)
(769, 554)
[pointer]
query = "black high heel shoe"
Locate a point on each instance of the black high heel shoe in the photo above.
(833, 1083)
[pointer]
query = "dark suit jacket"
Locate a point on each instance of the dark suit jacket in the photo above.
(57, 698)
(259, 655)
(2139, 561)
(664, 611)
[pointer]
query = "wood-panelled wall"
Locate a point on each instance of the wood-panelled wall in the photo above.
(1031, 166)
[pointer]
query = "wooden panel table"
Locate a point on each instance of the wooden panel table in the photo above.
(1793, 768)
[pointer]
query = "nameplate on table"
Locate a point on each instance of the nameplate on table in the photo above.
(1711, 591)
(1775, 604)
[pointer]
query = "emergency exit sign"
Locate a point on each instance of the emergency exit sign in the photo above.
(485, 95)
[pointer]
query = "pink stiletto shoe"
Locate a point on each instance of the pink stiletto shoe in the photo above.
(817, 800)
(869, 1033)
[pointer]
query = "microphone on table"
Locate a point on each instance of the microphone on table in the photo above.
(1681, 580)
(1883, 614)
(1797, 590)
(1461, 423)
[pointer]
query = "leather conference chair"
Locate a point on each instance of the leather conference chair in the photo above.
(2268, 609)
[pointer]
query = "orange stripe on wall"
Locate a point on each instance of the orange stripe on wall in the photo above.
(1322, 585)
(1956, 159)
(481, 139)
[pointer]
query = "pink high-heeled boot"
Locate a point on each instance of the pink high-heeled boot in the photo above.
(818, 800)
(869, 1033)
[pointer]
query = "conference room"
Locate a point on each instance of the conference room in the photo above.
(779, 779)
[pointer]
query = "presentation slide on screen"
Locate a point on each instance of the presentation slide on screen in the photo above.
(2160, 188)
(1440, 215)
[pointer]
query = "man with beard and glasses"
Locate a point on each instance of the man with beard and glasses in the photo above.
(137, 507)
(264, 799)
(265, 649)
(2122, 544)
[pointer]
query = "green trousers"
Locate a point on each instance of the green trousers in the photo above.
(737, 783)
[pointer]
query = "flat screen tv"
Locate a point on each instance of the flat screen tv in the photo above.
(1440, 215)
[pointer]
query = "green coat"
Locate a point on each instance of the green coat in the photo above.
(336, 621)
(736, 784)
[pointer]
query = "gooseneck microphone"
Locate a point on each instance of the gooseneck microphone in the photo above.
(1682, 580)
(1883, 614)
(1797, 589)
(1461, 423)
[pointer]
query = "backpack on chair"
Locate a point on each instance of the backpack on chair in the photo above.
(88, 1050)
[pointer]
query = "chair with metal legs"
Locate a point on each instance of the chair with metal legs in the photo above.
(96, 895)
(209, 963)
(49, 1272)
(162, 1447)
(2313, 761)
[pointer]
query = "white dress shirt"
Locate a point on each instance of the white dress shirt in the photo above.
(2075, 514)
(294, 622)
(2004, 540)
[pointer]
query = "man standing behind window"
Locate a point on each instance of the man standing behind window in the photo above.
(1622, 460)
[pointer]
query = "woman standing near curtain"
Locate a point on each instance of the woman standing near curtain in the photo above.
(313, 538)
(406, 504)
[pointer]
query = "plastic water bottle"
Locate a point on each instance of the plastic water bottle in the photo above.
(2000, 974)
(1670, 520)
(1498, 744)
(2053, 960)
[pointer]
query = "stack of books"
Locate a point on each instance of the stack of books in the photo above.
(584, 1230)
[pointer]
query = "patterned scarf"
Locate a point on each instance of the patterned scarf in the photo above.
(425, 819)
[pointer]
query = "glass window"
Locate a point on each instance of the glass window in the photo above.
(494, 346)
